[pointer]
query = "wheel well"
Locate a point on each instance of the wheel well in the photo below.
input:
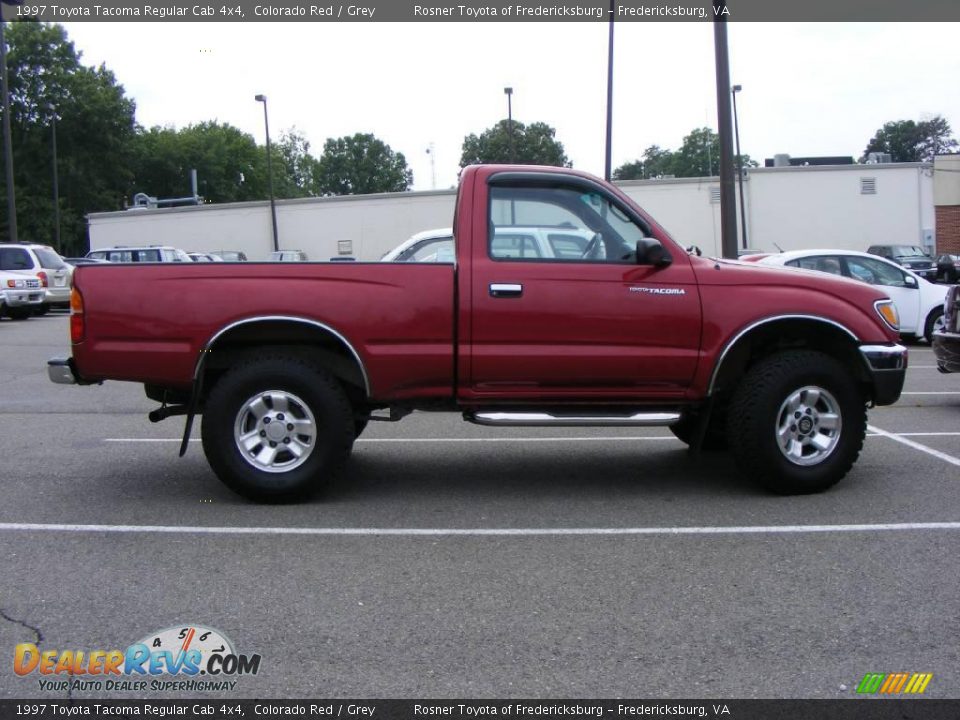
(787, 334)
(319, 343)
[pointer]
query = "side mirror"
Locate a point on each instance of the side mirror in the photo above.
(910, 281)
(651, 252)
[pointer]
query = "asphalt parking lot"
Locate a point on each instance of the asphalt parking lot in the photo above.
(458, 561)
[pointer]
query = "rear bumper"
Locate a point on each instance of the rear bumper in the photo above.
(62, 371)
(946, 346)
(887, 365)
(23, 298)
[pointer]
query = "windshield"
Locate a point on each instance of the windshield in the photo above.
(907, 251)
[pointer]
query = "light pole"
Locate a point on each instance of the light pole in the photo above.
(7, 142)
(273, 204)
(56, 181)
(509, 93)
(736, 129)
(609, 149)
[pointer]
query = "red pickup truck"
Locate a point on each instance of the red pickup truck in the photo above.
(613, 324)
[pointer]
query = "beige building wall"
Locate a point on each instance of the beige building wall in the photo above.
(848, 207)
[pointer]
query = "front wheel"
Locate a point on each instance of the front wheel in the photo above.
(797, 422)
(276, 428)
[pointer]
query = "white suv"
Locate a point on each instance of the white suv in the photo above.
(132, 253)
(20, 294)
(42, 262)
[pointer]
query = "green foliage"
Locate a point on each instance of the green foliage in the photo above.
(230, 166)
(533, 144)
(360, 164)
(909, 141)
(95, 126)
(698, 156)
(294, 168)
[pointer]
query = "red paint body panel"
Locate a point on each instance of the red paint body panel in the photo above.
(580, 332)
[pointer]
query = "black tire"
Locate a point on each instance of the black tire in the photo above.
(358, 427)
(41, 309)
(19, 313)
(303, 388)
(760, 409)
(715, 439)
(935, 315)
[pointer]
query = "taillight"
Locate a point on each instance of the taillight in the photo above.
(43, 279)
(77, 323)
(15, 283)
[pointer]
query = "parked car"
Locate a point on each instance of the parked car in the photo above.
(229, 255)
(43, 262)
(204, 257)
(521, 242)
(138, 254)
(919, 302)
(946, 340)
(20, 294)
(912, 257)
(288, 256)
(948, 267)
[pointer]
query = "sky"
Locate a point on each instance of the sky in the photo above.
(808, 89)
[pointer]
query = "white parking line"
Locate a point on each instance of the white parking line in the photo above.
(478, 532)
(932, 392)
(601, 438)
(915, 445)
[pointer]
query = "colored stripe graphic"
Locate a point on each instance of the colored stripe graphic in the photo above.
(894, 683)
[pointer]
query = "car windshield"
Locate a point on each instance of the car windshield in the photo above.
(907, 251)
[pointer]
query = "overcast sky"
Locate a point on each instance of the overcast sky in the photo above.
(808, 89)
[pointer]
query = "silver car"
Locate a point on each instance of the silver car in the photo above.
(20, 294)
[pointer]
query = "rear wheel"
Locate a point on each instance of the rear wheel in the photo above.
(19, 313)
(797, 422)
(934, 323)
(277, 428)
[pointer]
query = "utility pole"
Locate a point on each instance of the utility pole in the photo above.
(728, 197)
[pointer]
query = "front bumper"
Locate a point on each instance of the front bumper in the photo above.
(887, 365)
(946, 346)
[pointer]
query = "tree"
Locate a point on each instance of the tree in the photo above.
(360, 164)
(297, 167)
(656, 163)
(909, 141)
(230, 166)
(95, 124)
(698, 156)
(533, 144)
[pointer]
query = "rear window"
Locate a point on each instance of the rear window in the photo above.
(49, 260)
(15, 259)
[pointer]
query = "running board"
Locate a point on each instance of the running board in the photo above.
(548, 419)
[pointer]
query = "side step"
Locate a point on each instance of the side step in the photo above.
(542, 418)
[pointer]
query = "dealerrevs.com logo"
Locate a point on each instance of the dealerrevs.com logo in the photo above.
(185, 658)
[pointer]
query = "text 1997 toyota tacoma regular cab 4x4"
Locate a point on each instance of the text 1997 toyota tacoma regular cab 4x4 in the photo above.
(288, 362)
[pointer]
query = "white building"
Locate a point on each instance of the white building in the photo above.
(835, 206)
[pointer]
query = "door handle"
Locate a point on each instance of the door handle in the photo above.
(504, 290)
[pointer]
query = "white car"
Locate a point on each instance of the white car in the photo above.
(43, 262)
(510, 241)
(919, 302)
(21, 294)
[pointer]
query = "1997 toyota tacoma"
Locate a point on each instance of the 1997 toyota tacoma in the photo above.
(616, 326)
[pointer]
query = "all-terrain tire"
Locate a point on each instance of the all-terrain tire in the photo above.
(797, 422)
(277, 428)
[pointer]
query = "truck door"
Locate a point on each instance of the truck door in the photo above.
(561, 310)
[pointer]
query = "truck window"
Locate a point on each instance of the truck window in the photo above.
(559, 224)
